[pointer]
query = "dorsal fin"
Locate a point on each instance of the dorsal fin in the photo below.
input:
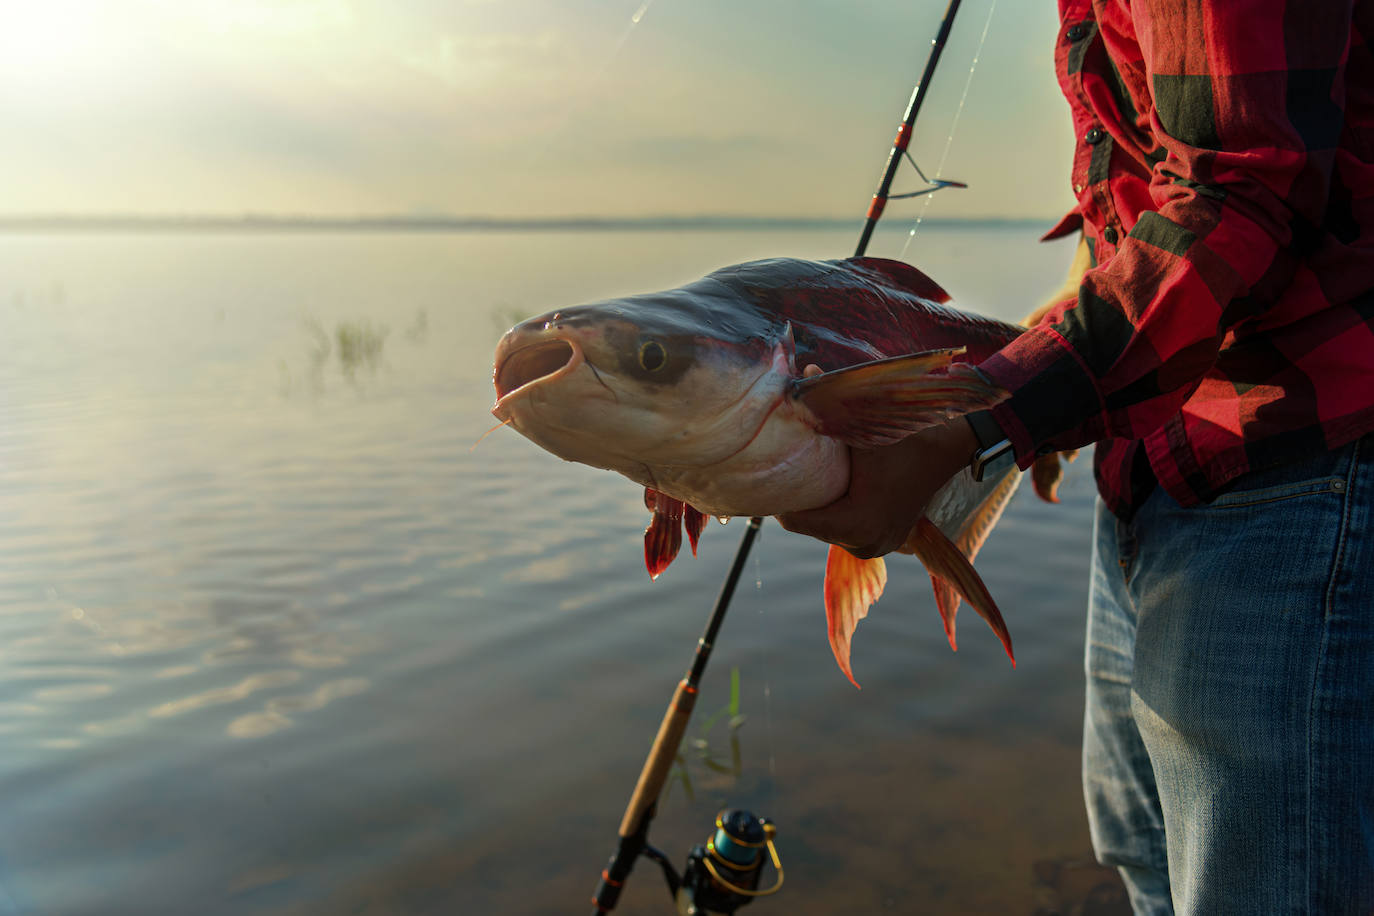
(905, 276)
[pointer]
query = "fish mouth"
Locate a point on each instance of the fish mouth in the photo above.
(533, 364)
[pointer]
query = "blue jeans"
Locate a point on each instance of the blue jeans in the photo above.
(1228, 748)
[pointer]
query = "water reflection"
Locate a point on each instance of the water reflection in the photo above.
(222, 695)
(233, 548)
(72, 693)
(274, 716)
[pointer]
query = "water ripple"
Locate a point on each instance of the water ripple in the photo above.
(221, 695)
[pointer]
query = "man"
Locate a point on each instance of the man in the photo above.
(1220, 353)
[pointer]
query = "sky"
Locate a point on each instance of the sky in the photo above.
(521, 108)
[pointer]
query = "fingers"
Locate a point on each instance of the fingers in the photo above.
(832, 524)
(889, 489)
(844, 524)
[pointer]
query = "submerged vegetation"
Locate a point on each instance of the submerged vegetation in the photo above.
(359, 345)
(356, 349)
(727, 761)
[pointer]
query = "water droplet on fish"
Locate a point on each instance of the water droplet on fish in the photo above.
(723, 519)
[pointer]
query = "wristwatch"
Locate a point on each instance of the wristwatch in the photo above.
(994, 453)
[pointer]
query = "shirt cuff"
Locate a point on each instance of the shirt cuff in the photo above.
(1054, 397)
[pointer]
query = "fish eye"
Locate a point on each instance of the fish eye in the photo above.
(652, 356)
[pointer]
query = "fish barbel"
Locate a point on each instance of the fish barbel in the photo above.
(698, 394)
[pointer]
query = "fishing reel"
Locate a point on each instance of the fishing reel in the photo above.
(723, 874)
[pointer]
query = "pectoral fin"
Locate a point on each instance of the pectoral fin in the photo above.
(663, 537)
(851, 586)
(693, 521)
(949, 566)
(885, 401)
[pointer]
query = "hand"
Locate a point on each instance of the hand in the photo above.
(889, 490)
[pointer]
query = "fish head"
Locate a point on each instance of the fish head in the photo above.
(682, 378)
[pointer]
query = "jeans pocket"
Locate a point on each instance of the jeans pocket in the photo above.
(1321, 473)
(1254, 492)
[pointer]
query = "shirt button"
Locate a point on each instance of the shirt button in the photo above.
(1110, 235)
(1076, 32)
(1094, 136)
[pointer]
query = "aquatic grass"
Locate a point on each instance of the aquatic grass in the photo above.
(359, 345)
(704, 753)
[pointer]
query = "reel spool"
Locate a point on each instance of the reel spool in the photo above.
(723, 874)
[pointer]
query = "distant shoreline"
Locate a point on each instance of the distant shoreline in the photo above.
(449, 224)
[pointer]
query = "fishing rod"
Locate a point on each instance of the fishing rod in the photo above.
(899, 145)
(724, 874)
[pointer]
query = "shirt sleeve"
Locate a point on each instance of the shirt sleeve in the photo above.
(1248, 102)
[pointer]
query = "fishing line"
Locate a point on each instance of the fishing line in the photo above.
(768, 726)
(738, 829)
(766, 659)
(758, 566)
(582, 100)
(634, 21)
(953, 126)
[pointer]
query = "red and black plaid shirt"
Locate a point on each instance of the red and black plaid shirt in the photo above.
(1225, 182)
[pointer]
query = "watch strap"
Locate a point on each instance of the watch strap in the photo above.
(994, 448)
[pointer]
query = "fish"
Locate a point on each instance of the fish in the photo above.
(704, 396)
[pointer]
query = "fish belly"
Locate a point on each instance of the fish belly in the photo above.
(787, 469)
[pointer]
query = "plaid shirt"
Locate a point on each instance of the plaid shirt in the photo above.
(1224, 175)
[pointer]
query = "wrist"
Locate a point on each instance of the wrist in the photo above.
(955, 445)
(993, 452)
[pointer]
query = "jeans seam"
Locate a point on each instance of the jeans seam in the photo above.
(1343, 530)
(1126, 550)
(1313, 701)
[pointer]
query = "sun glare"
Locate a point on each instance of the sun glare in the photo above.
(39, 40)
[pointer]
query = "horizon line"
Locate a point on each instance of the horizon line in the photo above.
(287, 222)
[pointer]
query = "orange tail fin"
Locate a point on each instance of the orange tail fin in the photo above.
(947, 603)
(969, 541)
(851, 586)
(1046, 473)
(944, 561)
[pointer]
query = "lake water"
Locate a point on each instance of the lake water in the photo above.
(275, 639)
